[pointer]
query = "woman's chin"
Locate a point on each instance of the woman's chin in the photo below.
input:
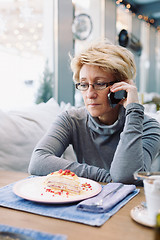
(94, 113)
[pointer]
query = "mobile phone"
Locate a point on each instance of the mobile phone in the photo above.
(116, 97)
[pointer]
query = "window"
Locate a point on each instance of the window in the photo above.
(25, 48)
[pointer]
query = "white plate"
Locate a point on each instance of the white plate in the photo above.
(33, 189)
(140, 215)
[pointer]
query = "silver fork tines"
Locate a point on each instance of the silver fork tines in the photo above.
(100, 202)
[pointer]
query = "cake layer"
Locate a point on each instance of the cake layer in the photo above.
(63, 180)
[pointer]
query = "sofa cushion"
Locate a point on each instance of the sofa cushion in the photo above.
(21, 130)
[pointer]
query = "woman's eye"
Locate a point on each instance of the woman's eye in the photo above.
(100, 84)
(84, 85)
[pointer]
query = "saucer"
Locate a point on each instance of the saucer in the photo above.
(140, 215)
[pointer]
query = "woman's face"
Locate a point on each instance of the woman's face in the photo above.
(96, 101)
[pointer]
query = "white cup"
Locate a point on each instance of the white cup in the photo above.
(152, 195)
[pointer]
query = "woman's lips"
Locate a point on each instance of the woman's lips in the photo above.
(93, 104)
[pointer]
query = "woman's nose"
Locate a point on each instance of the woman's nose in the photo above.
(91, 92)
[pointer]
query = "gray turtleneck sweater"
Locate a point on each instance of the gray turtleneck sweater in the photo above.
(104, 153)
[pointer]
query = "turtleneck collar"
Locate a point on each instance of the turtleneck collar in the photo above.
(107, 129)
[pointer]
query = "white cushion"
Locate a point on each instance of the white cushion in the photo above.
(21, 130)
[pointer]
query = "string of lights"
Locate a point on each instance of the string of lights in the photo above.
(141, 16)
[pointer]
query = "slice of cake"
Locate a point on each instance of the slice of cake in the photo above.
(64, 180)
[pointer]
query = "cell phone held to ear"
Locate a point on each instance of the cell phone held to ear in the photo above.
(116, 97)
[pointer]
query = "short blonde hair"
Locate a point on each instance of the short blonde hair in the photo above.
(109, 57)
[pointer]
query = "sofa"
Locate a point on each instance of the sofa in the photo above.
(20, 131)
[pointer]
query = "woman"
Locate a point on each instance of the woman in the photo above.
(110, 143)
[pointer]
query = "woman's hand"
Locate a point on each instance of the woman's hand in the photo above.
(130, 88)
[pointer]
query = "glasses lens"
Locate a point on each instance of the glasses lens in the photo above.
(82, 86)
(100, 86)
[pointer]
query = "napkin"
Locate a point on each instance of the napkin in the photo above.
(109, 201)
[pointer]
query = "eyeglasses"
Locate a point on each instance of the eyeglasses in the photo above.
(97, 86)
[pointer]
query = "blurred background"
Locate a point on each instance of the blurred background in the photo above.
(36, 37)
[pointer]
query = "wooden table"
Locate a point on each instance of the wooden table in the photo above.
(119, 227)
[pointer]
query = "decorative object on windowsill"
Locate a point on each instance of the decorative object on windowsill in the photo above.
(46, 88)
(129, 41)
(82, 26)
(156, 101)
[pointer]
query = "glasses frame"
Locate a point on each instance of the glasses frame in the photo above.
(93, 85)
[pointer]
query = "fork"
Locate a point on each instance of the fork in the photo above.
(100, 202)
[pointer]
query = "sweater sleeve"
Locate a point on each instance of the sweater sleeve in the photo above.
(139, 143)
(47, 155)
